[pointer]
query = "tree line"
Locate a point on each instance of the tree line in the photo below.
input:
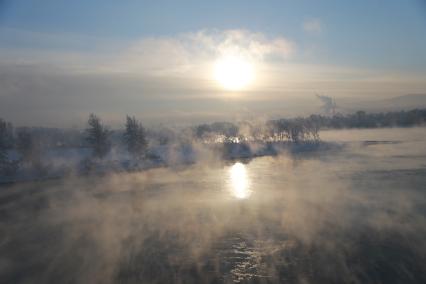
(362, 119)
(31, 142)
(304, 129)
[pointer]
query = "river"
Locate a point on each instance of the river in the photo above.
(354, 213)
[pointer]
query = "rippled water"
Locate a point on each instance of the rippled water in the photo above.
(352, 214)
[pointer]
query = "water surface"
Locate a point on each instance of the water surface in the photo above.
(352, 214)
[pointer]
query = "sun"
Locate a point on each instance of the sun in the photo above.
(233, 73)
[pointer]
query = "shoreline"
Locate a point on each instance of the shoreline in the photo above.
(227, 152)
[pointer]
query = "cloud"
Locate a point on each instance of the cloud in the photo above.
(254, 45)
(313, 26)
(191, 51)
(181, 55)
(170, 75)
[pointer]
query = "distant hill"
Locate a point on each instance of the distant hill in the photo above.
(405, 102)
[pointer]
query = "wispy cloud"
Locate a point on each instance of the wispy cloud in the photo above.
(186, 53)
(190, 52)
(313, 26)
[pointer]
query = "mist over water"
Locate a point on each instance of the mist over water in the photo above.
(351, 214)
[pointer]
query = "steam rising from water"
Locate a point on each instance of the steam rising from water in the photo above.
(354, 214)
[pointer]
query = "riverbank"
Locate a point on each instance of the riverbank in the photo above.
(60, 163)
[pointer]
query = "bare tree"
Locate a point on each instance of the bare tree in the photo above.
(134, 137)
(7, 167)
(3, 142)
(98, 136)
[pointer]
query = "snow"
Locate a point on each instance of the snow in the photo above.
(60, 162)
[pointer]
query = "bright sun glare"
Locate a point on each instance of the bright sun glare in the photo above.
(234, 73)
(240, 182)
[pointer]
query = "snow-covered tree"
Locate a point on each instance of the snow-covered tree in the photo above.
(134, 137)
(98, 136)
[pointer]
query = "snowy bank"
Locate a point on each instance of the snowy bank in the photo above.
(61, 162)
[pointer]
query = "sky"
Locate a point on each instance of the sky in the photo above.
(61, 60)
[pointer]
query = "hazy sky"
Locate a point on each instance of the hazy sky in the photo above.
(60, 60)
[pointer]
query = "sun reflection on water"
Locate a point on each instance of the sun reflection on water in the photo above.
(240, 183)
